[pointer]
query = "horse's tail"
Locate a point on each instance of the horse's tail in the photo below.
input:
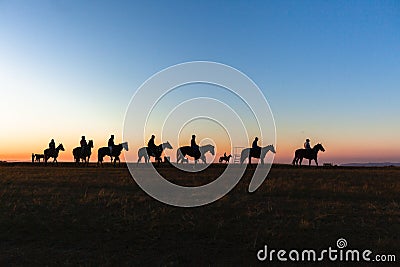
(243, 156)
(179, 155)
(75, 154)
(139, 154)
(295, 158)
(99, 156)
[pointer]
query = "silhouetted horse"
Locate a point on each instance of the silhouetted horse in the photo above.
(251, 153)
(50, 153)
(188, 150)
(144, 152)
(37, 157)
(225, 158)
(310, 154)
(78, 155)
(116, 152)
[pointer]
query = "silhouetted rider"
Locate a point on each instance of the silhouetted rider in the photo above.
(151, 145)
(83, 145)
(255, 145)
(193, 144)
(52, 145)
(307, 144)
(256, 149)
(111, 143)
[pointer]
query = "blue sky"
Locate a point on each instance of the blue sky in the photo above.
(329, 69)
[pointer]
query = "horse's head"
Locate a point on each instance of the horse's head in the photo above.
(60, 147)
(166, 145)
(125, 146)
(90, 143)
(272, 148)
(318, 147)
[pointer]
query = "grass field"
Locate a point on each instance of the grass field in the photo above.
(99, 217)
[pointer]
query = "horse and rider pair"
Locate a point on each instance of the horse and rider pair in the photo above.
(153, 150)
(84, 151)
(52, 151)
(308, 153)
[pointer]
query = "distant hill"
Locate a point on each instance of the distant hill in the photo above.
(371, 164)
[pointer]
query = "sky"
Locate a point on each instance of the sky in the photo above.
(328, 69)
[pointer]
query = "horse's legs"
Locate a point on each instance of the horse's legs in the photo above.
(300, 160)
(309, 162)
(316, 161)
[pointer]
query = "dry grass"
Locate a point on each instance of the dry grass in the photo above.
(100, 217)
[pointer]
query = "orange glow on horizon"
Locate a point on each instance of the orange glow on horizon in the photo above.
(336, 153)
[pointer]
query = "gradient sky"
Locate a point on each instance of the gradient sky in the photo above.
(329, 69)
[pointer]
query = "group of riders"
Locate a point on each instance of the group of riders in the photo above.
(84, 144)
(154, 150)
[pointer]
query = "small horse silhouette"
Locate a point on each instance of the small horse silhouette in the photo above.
(143, 152)
(116, 152)
(85, 156)
(310, 154)
(187, 150)
(37, 157)
(225, 158)
(50, 153)
(249, 153)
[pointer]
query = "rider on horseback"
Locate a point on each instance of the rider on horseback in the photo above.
(194, 146)
(152, 146)
(255, 148)
(52, 146)
(111, 143)
(307, 144)
(83, 145)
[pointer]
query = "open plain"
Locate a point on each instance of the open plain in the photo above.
(100, 217)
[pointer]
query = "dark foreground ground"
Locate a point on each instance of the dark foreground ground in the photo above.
(99, 217)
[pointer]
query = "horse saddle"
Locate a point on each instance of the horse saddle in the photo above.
(255, 152)
(153, 151)
(308, 151)
(196, 153)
